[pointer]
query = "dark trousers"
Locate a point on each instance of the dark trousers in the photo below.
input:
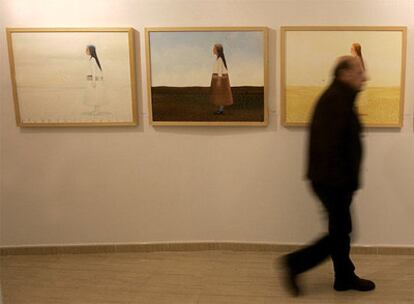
(336, 243)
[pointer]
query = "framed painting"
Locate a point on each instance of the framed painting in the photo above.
(207, 76)
(308, 56)
(73, 77)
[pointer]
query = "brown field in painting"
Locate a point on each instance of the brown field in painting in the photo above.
(377, 105)
(185, 104)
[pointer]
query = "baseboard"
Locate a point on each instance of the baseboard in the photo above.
(201, 246)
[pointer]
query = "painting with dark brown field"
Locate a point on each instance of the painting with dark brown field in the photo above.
(207, 76)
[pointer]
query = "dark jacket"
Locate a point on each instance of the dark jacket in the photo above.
(335, 149)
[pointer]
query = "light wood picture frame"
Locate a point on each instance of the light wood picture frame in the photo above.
(73, 77)
(308, 55)
(186, 89)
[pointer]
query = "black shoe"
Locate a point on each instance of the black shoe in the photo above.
(355, 284)
(219, 112)
(290, 278)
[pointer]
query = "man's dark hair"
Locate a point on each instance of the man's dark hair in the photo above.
(343, 65)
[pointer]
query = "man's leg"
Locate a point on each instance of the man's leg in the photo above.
(337, 203)
(310, 256)
(304, 259)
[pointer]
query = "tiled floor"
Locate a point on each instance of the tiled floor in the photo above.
(204, 277)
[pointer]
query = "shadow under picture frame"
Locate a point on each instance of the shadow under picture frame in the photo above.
(73, 77)
(207, 76)
(308, 54)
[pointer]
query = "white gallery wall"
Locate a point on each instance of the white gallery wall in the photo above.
(62, 186)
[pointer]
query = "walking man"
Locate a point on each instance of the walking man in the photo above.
(334, 159)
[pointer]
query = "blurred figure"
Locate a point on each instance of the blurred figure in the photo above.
(334, 158)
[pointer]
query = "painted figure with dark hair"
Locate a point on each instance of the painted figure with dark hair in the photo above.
(94, 88)
(220, 89)
(334, 162)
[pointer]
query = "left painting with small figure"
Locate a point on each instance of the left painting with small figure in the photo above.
(73, 77)
(207, 76)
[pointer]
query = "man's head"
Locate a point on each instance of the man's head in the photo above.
(349, 70)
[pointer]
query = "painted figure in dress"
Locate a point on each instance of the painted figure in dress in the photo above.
(220, 89)
(95, 96)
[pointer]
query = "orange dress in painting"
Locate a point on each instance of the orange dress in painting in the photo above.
(220, 89)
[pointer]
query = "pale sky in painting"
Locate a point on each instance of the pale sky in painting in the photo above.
(58, 59)
(185, 58)
(51, 74)
(310, 56)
